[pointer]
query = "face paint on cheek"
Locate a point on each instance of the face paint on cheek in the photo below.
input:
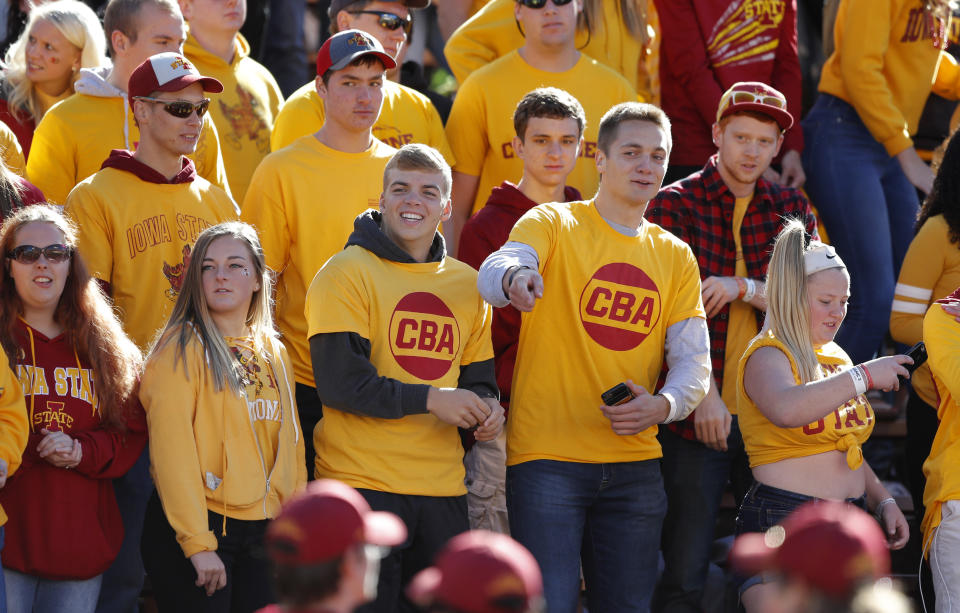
(54, 60)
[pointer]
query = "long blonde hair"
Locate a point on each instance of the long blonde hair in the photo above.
(191, 314)
(788, 312)
(78, 24)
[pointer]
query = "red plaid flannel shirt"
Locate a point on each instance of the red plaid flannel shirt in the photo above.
(699, 210)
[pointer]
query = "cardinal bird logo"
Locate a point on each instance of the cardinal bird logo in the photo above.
(175, 274)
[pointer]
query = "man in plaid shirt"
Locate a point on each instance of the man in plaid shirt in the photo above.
(730, 217)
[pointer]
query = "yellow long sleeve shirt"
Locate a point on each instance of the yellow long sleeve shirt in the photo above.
(204, 450)
(244, 113)
(930, 271)
(13, 421)
(885, 64)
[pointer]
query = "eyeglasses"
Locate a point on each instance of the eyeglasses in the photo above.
(28, 254)
(539, 4)
(391, 21)
(180, 108)
(745, 97)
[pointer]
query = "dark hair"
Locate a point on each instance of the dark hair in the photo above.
(300, 586)
(630, 111)
(353, 7)
(363, 60)
(549, 102)
(124, 15)
(944, 198)
(87, 318)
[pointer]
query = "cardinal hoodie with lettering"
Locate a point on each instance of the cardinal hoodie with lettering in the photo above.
(383, 329)
(64, 523)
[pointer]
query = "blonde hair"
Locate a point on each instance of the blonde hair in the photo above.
(416, 156)
(191, 314)
(788, 313)
(78, 24)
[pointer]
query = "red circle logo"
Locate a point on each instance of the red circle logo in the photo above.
(424, 335)
(619, 306)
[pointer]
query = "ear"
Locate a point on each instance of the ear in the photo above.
(779, 144)
(447, 210)
(320, 87)
(186, 7)
(381, 202)
(119, 41)
(600, 159)
(140, 111)
(343, 21)
(517, 145)
(717, 132)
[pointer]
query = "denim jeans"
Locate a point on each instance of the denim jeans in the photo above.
(607, 515)
(123, 581)
(945, 558)
(694, 477)
(32, 594)
(869, 208)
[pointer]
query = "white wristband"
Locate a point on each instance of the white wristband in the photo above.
(751, 290)
(878, 512)
(859, 381)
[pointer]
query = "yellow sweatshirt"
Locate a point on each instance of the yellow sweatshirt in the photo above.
(76, 136)
(885, 64)
(492, 33)
(204, 453)
(244, 113)
(407, 116)
(13, 421)
(930, 271)
(941, 333)
(11, 151)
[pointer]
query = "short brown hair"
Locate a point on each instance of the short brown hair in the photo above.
(631, 111)
(301, 586)
(549, 102)
(353, 7)
(416, 156)
(124, 15)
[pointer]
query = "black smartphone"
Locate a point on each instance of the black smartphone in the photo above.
(919, 354)
(618, 394)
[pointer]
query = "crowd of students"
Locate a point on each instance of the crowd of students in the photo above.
(211, 297)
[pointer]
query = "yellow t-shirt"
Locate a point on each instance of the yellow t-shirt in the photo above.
(75, 137)
(884, 64)
(424, 321)
(480, 127)
(603, 318)
(303, 200)
(930, 271)
(941, 333)
(742, 320)
(492, 33)
(262, 394)
(845, 429)
(137, 236)
(244, 113)
(407, 116)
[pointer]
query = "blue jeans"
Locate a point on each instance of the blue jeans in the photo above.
(32, 594)
(869, 209)
(123, 581)
(694, 477)
(607, 515)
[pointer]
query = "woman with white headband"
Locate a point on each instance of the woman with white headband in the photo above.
(801, 403)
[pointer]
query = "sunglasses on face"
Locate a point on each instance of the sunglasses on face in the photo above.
(28, 254)
(539, 4)
(180, 108)
(391, 21)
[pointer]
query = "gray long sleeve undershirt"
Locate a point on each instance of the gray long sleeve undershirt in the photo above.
(687, 346)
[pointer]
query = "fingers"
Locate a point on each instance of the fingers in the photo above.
(535, 285)
(527, 287)
(638, 390)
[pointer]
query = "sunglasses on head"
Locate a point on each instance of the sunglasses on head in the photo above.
(180, 108)
(747, 97)
(28, 254)
(391, 21)
(539, 4)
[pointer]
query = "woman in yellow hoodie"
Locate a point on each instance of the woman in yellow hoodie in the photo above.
(226, 450)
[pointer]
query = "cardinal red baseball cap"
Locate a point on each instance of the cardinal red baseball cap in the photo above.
(344, 47)
(480, 572)
(167, 72)
(832, 546)
(325, 520)
(757, 97)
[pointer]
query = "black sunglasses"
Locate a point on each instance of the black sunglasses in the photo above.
(539, 4)
(28, 254)
(181, 108)
(391, 21)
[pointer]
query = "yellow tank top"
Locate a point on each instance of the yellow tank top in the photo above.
(845, 429)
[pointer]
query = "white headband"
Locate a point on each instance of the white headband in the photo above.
(819, 257)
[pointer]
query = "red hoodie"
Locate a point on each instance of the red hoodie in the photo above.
(707, 46)
(483, 234)
(65, 524)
